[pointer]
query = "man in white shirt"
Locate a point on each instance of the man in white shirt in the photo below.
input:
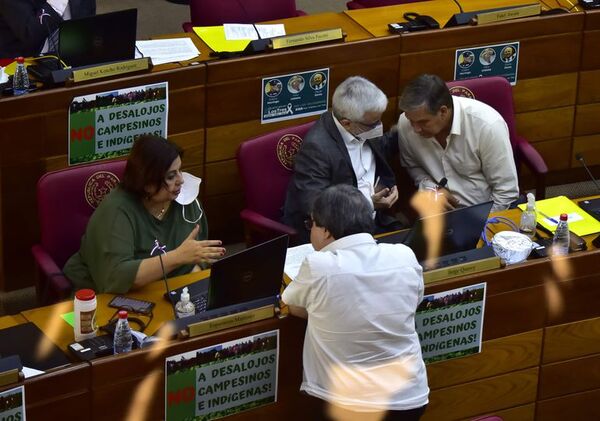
(25, 25)
(345, 146)
(460, 139)
(361, 350)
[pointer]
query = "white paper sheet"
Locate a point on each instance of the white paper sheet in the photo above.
(167, 50)
(238, 31)
(294, 258)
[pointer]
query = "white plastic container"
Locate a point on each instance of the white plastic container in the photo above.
(184, 306)
(85, 314)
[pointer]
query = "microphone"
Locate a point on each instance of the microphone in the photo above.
(579, 157)
(161, 250)
(442, 183)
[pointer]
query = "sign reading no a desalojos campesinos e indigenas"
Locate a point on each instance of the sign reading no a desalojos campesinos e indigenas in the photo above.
(224, 379)
(12, 404)
(104, 125)
(450, 323)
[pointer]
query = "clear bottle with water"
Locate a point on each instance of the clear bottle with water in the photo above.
(528, 217)
(123, 340)
(20, 78)
(560, 242)
(184, 306)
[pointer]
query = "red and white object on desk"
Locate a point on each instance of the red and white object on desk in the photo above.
(85, 314)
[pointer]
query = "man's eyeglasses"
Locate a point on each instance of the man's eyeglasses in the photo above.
(369, 126)
(308, 223)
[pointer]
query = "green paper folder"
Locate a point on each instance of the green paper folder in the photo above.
(580, 222)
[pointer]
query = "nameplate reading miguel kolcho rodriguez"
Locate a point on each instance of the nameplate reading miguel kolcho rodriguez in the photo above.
(111, 69)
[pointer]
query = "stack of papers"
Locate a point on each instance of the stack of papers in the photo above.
(167, 50)
(294, 258)
(235, 37)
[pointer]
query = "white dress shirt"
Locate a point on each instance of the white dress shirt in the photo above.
(478, 159)
(363, 161)
(361, 350)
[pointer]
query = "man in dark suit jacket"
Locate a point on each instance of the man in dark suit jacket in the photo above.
(25, 24)
(345, 146)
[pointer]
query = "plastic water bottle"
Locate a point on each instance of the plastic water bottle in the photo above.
(184, 306)
(560, 242)
(122, 341)
(528, 217)
(20, 78)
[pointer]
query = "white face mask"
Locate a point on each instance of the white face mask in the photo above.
(376, 131)
(189, 194)
(189, 189)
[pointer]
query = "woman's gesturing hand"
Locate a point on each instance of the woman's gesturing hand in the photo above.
(194, 251)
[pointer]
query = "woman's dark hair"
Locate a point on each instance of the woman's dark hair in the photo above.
(343, 210)
(148, 163)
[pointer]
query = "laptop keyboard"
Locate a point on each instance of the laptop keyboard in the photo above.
(200, 302)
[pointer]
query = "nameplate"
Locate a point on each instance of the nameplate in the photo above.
(462, 269)
(231, 320)
(508, 14)
(305, 38)
(111, 69)
(9, 376)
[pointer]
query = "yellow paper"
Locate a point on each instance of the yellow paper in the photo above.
(10, 68)
(580, 222)
(214, 37)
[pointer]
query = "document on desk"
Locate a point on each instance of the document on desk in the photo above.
(167, 50)
(238, 31)
(294, 258)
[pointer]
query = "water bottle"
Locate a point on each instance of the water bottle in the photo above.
(20, 78)
(560, 242)
(528, 218)
(122, 340)
(184, 306)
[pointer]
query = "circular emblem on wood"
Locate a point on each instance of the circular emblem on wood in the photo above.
(287, 147)
(99, 185)
(462, 91)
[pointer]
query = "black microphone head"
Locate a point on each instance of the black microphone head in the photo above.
(579, 156)
(443, 182)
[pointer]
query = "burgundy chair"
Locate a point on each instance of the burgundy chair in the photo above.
(66, 200)
(363, 4)
(266, 165)
(497, 92)
(488, 418)
(218, 12)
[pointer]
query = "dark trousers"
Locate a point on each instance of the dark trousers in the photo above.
(406, 415)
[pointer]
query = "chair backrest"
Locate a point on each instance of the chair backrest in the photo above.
(266, 165)
(66, 200)
(218, 12)
(496, 92)
(488, 418)
(358, 4)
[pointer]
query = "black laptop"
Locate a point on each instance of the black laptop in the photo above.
(98, 39)
(252, 274)
(462, 231)
(591, 206)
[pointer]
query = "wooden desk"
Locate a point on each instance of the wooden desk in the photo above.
(10, 321)
(214, 106)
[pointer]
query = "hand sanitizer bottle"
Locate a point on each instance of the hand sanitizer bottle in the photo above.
(528, 217)
(184, 306)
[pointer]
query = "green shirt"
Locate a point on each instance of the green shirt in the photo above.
(120, 234)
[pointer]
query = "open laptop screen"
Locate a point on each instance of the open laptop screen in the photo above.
(98, 39)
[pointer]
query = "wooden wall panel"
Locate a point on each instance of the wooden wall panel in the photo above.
(498, 356)
(587, 119)
(224, 211)
(554, 152)
(576, 300)
(572, 340)
(571, 376)
(518, 413)
(589, 87)
(546, 124)
(590, 58)
(483, 396)
(222, 178)
(577, 407)
(589, 146)
(537, 93)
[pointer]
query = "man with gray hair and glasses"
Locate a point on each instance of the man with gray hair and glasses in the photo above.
(345, 146)
(458, 139)
(361, 351)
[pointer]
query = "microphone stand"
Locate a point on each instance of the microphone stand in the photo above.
(161, 250)
(579, 157)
